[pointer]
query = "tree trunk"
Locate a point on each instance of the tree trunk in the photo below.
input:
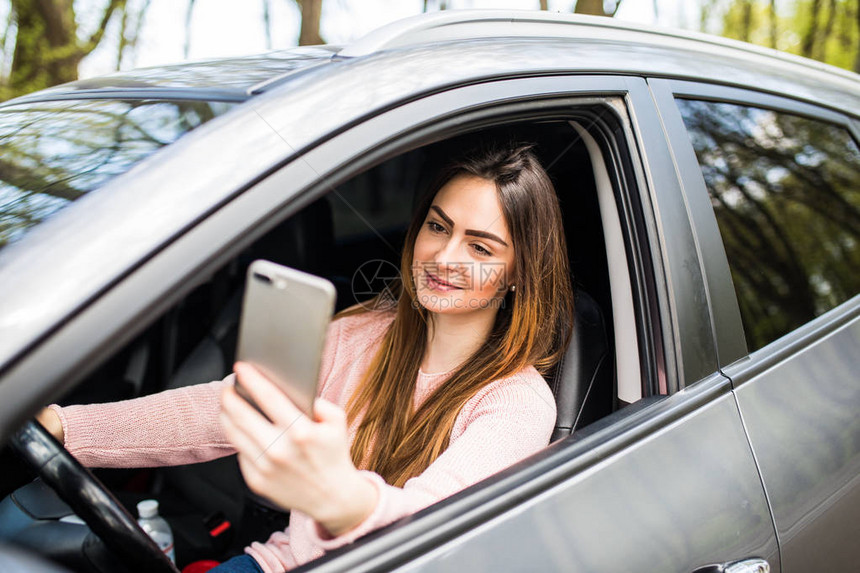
(857, 57)
(774, 32)
(746, 20)
(821, 54)
(46, 51)
(593, 7)
(812, 32)
(47, 47)
(311, 15)
(267, 23)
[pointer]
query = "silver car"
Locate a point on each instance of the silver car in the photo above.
(707, 406)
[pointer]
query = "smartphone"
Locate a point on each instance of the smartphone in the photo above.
(285, 315)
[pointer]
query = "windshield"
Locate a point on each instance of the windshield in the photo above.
(53, 152)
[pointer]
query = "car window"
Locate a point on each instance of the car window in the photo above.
(786, 193)
(53, 152)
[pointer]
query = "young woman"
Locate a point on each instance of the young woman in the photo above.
(419, 398)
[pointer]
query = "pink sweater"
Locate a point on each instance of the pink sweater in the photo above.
(504, 422)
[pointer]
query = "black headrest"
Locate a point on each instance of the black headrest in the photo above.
(582, 382)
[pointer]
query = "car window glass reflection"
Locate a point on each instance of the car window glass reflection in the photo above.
(54, 152)
(786, 193)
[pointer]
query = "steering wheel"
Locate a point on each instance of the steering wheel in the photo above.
(90, 499)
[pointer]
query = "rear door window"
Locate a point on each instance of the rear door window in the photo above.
(786, 193)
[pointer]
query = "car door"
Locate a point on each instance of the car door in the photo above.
(783, 178)
(667, 483)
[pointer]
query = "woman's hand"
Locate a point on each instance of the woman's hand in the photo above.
(51, 421)
(296, 462)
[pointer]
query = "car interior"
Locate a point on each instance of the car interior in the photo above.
(359, 222)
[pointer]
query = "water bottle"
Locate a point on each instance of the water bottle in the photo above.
(156, 527)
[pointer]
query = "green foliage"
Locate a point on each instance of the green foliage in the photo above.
(825, 30)
(47, 47)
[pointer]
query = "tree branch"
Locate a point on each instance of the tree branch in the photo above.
(96, 37)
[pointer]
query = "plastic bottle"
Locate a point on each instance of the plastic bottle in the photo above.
(156, 527)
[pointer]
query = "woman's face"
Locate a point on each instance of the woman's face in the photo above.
(463, 254)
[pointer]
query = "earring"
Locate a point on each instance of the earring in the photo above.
(513, 288)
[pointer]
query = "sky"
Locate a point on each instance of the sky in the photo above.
(235, 27)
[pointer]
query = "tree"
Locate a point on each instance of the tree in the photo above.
(597, 7)
(310, 28)
(825, 30)
(48, 45)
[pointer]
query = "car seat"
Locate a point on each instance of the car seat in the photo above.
(582, 381)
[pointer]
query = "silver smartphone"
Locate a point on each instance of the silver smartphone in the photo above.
(285, 314)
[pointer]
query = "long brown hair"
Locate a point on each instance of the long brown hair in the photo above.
(532, 327)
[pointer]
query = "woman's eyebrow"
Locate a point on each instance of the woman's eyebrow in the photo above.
(473, 232)
(442, 214)
(485, 235)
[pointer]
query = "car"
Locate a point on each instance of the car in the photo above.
(708, 402)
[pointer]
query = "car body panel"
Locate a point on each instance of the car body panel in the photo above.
(637, 508)
(801, 415)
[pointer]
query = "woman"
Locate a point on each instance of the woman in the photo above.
(416, 402)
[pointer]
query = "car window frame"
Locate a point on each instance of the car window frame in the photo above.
(108, 322)
(734, 357)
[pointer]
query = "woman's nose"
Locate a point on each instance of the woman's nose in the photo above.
(448, 254)
(449, 262)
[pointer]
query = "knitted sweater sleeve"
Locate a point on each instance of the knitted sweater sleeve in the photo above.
(507, 421)
(174, 427)
(178, 426)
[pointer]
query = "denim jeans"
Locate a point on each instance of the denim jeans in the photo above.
(238, 564)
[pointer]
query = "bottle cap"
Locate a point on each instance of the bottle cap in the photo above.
(147, 508)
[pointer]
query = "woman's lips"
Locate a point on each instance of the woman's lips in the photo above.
(438, 284)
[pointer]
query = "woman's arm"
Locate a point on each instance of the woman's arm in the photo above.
(173, 427)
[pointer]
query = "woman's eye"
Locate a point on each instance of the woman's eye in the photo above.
(435, 227)
(481, 250)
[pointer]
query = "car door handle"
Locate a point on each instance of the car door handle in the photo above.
(749, 565)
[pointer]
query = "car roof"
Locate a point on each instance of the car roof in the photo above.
(65, 263)
(223, 79)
